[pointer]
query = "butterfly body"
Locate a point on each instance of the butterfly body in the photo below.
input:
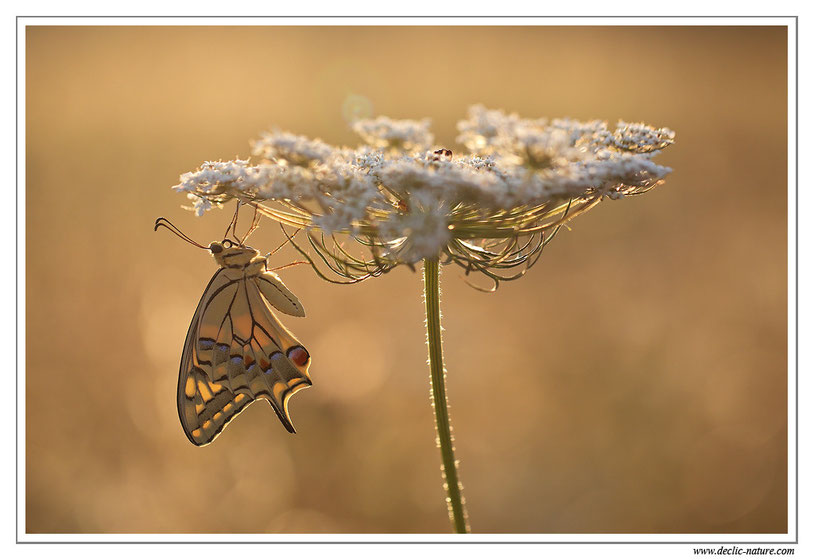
(236, 350)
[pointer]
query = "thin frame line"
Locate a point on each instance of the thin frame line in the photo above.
(796, 261)
(413, 17)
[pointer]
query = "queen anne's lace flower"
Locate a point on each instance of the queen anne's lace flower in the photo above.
(218, 181)
(291, 149)
(399, 135)
(488, 209)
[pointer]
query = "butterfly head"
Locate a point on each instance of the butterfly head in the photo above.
(231, 255)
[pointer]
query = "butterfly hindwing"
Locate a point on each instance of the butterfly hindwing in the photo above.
(237, 351)
(207, 407)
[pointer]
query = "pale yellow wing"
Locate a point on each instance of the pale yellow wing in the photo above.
(278, 295)
(236, 352)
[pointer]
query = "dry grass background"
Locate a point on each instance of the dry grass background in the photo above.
(634, 381)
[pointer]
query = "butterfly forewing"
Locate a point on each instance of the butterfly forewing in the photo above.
(236, 351)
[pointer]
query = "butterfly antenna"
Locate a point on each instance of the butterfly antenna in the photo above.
(164, 222)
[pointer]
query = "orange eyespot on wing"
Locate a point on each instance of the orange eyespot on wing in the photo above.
(299, 356)
(237, 352)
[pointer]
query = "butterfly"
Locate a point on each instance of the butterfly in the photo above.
(236, 350)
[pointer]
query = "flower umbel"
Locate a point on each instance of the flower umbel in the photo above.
(489, 209)
(397, 200)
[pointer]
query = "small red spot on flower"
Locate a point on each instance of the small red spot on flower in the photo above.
(299, 356)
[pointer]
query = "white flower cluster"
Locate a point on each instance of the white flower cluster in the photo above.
(291, 149)
(384, 132)
(411, 195)
(217, 181)
(640, 138)
(491, 130)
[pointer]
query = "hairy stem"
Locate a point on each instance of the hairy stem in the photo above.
(452, 484)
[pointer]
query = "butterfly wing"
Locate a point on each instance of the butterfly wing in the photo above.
(278, 295)
(236, 352)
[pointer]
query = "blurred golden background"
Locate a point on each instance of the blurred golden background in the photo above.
(634, 381)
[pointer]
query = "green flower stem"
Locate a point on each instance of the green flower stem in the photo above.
(432, 296)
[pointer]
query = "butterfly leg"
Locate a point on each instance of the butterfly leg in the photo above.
(255, 224)
(233, 224)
